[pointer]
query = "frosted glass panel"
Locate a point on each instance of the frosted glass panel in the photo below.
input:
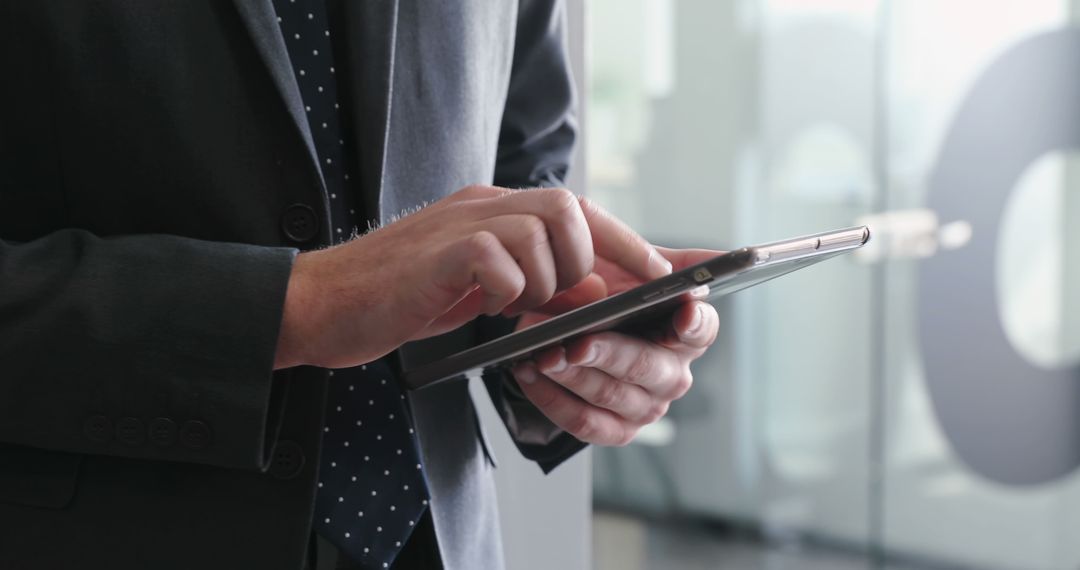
(920, 401)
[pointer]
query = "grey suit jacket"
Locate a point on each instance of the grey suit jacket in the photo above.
(150, 153)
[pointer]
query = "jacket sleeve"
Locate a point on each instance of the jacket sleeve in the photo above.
(150, 347)
(536, 143)
(539, 123)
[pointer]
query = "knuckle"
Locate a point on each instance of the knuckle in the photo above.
(682, 384)
(584, 426)
(562, 200)
(655, 412)
(456, 210)
(482, 244)
(572, 378)
(626, 437)
(642, 365)
(535, 230)
(608, 395)
(479, 192)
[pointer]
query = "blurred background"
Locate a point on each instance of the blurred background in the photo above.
(915, 406)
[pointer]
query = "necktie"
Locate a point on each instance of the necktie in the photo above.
(372, 490)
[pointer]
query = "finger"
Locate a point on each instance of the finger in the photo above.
(580, 419)
(579, 228)
(463, 312)
(478, 260)
(659, 370)
(596, 387)
(526, 238)
(683, 258)
(694, 327)
(615, 241)
(571, 240)
(589, 290)
(530, 318)
(477, 192)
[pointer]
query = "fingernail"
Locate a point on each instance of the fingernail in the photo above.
(659, 264)
(526, 374)
(590, 356)
(696, 320)
(559, 365)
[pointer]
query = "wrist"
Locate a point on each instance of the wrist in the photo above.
(296, 315)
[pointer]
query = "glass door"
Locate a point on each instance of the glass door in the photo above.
(917, 402)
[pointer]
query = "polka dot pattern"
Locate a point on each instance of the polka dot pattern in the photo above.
(371, 486)
(368, 501)
(307, 39)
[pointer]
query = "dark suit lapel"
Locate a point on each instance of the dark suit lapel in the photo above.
(261, 23)
(371, 30)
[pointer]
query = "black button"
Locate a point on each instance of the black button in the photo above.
(163, 432)
(195, 435)
(130, 431)
(98, 428)
(300, 223)
(287, 461)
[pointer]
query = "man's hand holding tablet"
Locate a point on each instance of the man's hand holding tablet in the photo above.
(607, 356)
(604, 387)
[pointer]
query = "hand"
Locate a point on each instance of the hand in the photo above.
(482, 250)
(604, 387)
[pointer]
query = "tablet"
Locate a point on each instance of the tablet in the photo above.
(646, 305)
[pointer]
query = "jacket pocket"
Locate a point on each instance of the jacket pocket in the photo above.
(37, 477)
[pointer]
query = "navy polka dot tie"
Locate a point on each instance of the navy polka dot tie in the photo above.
(372, 490)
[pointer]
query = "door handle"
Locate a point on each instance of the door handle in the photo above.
(910, 234)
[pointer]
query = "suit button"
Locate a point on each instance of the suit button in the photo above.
(195, 435)
(163, 432)
(299, 223)
(287, 461)
(130, 431)
(98, 428)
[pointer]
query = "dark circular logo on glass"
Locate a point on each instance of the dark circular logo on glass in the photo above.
(1008, 419)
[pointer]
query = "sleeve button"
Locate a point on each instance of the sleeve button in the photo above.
(98, 428)
(130, 431)
(287, 461)
(195, 435)
(163, 432)
(299, 223)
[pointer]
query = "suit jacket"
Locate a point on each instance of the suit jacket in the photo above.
(152, 158)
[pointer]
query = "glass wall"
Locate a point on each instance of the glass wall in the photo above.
(918, 401)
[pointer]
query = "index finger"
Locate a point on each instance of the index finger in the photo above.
(682, 258)
(616, 242)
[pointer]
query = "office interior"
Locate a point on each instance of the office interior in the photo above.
(912, 406)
